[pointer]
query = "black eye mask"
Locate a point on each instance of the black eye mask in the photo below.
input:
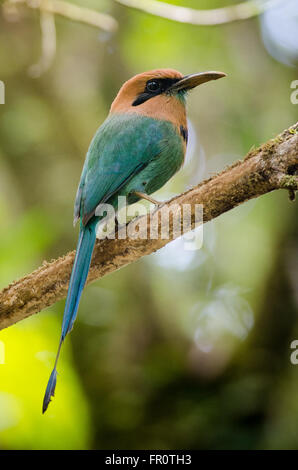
(154, 87)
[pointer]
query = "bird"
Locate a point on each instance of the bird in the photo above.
(137, 149)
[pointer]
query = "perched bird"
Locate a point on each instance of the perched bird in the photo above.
(137, 149)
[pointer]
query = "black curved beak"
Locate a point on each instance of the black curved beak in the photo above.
(191, 81)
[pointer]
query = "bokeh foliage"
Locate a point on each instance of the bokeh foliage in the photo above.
(184, 349)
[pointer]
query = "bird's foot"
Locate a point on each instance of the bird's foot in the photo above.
(148, 198)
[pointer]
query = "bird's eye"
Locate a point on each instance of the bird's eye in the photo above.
(153, 86)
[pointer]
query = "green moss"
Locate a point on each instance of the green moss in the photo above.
(293, 130)
(289, 182)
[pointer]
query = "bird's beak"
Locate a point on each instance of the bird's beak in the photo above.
(191, 81)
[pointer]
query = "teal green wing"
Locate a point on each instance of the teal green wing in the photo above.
(123, 147)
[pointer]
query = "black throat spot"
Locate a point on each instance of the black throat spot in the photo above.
(184, 133)
(165, 84)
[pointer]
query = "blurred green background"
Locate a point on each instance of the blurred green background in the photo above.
(183, 349)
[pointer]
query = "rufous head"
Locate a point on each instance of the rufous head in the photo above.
(159, 93)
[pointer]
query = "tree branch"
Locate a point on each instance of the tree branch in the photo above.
(272, 166)
(48, 44)
(68, 10)
(241, 11)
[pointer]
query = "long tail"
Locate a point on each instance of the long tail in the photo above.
(77, 281)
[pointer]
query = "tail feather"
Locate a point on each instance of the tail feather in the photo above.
(77, 282)
(78, 276)
(50, 390)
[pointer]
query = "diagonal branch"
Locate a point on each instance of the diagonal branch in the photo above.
(272, 166)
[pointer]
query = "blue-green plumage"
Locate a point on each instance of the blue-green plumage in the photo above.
(135, 152)
(128, 153)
